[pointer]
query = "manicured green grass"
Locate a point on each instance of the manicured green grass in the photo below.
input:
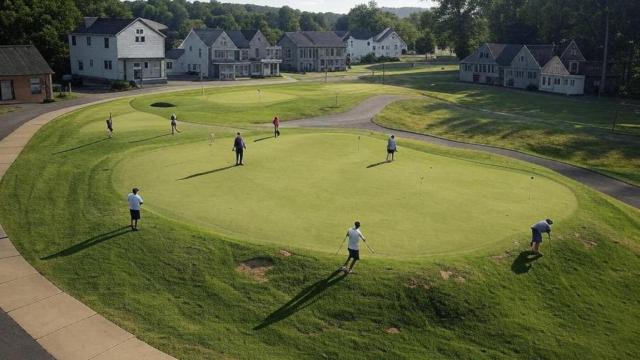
(575, 130)
(300, 191)
(175, 285)
(248, 105)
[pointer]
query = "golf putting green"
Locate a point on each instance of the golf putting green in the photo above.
(305, 190)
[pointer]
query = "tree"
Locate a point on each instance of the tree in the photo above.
(288, 19)
(463, 22)
(308, 22)
(408, 32)
(104, 8)
(426, 43)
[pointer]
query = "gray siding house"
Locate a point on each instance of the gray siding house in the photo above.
(225, 55)
(313, 51)
(526, 67)
(118, 49)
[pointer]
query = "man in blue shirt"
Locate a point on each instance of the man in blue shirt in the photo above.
(391, 147)
(537, 229)
(238, 147)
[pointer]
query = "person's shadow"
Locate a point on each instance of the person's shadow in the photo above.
(302, 300)
(88, 243)
(522, 264)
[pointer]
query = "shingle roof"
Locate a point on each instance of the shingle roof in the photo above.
(383, 34)
(174, 54)
(22, 60)
(107, 26)
(249, 34)
(238, 38)
(507, 53)
(542, 53)
(343, 34)
(208, 36)
(315, 38)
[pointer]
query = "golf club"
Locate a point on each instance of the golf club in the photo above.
(549, 243)
(369, 247)
(342, 243)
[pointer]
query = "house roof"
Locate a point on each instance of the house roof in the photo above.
(174, 54)
(22, 60)
(238, 38)
(108, 26)
(542, 53)
(249, 34)
(383, 34)
(507, 53)
(342, 34)
(555, 67)
(208, 36)
(315, 38)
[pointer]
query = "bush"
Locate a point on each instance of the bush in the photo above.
(120, 85)
(532, 87)
(48, 100)
(372, 59)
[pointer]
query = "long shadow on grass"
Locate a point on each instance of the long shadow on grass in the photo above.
(302, 300)
(81, 146)
(377, 164)
(208, 172)
(263, 139)
(88, 243)
(147, 139)
(522, 264)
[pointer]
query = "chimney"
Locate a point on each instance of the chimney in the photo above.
(89, 20)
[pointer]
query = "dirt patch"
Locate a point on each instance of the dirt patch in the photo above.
(445, 274)
(392, 330)
(284, 253)
(507, 254)
(589, 244)
(256, 268)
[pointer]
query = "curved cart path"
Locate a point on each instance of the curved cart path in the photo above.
(361, 117)
(38, 320)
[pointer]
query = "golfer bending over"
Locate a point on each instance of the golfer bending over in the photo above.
(135, 201)
(354, 236)
(239, 147)
(391, 147)
(537, 229)
(174, 124)
(110, 126)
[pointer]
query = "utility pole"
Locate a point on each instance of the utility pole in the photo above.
(603, 78)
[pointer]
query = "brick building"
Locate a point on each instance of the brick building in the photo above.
(24, 75)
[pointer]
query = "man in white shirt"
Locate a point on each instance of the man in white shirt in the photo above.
(354, 236)
(392, 148)
(135, 202)
(537, 229)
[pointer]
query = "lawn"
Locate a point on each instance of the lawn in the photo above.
(179, 283)
(249, 105)
(574, 130)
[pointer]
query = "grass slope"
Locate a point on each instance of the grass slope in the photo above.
(176, 287)
(575, 130)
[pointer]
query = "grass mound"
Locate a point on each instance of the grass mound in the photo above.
(178, 281)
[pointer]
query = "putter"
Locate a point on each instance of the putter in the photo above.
(369, 247)
(340, 248)
(549, 243)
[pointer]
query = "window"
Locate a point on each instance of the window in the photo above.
(169, 65)
(475, 68)
(574, 51)
(190, 48)
(35, 86)
(566, 82)
(258, 53)
(573, 67)
(108, 65)
(80, 66)
(368, 43)
(146, 65)
(288, 53)
(73, 40)
(374, 48)
(106, 43)
(544, 80)
(139, 31)
(351, 43)
(199, 52)
(301, 53)
(521, 58)
(90, 62)
(218, 54)
(88, 40)
(139, 38)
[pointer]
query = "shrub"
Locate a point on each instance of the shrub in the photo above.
(532, 87)
(48, 100)
(120, 85)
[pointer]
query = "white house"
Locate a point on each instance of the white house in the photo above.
(224, 55)
(361, 43)
(557, 79)
(118, 49)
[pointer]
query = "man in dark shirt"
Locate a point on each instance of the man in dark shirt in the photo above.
(238, 147)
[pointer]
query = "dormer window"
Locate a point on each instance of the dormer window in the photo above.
(139, 31)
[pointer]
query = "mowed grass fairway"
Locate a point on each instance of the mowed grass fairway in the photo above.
(302, 191)
(453, 276)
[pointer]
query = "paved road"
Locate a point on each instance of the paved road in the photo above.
(361, 117)
(16, 344)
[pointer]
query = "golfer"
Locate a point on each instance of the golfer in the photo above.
(110, 126)
(174, 124)
(354, 234)
(239, 147)
(537, 229)
(391, 148)
(135, 202)
(276, 126)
